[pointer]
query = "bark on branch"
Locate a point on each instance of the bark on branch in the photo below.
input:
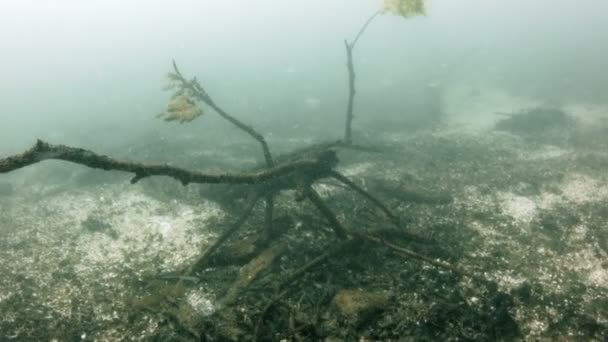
(351, 92)
(349, 46)
(41, 151)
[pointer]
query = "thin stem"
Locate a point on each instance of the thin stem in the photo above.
(369, 20)
(351, 93)
(269, 218)
(351, 78)
(249, 130)
(338, 176)
(330, 251)
(409, 253)
(204, 257)
(329, 215)
(202, 95)
(42, 151)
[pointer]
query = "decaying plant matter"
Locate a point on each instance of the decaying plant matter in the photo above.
(182, 108)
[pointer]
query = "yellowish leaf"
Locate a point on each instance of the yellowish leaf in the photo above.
(404, 8)
(183, 109)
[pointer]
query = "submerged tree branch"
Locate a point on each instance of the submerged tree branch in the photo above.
(351, 78)
(283, 288)
(329, 215)
(351, 93)
(204, 257)
(269, 226)
(42, 151)
(340, 177)
(409, 253)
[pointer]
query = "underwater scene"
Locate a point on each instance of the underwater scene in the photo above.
(320, 170)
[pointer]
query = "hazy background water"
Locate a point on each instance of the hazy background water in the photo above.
(91, 72)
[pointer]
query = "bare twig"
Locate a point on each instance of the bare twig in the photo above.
(204, 257)
(364, 27)
(271, 303)
(351, 93)
(268, 218)
(409, 253)
(340, 177)
(330, 251)
(329, 215)
(202, 95)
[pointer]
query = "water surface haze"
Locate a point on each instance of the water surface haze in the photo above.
(98, 66)
(468, 204)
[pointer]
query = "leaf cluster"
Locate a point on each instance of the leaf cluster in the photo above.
(182, 107)
(404, 8)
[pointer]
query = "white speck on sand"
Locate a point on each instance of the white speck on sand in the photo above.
(521, 208)
(580, 189)
(201, 302)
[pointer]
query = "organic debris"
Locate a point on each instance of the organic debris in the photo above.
(182, 108)
(404, 8)
(359, 305)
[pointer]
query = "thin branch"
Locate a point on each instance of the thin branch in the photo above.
(329, 215)
(340, 177)
(329, 252)
(202, 95)
(269, 217)
(251, 271)
(351, 92)
(204, 257)
(409, 253)
(42, 151)
(351, 78)
(271, 303)
(369, 20)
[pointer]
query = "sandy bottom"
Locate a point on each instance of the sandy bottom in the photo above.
(532, 214)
